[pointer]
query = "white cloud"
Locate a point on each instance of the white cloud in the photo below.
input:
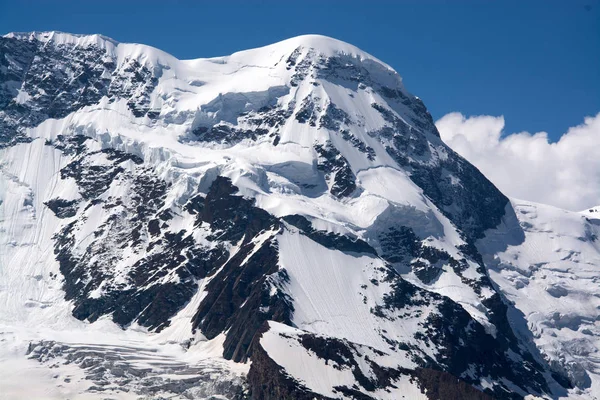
(527, 166)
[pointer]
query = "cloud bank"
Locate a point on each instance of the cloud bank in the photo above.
(527, 166)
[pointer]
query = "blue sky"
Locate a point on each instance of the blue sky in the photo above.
(535, 62)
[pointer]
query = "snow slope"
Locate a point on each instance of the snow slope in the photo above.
(547, 261)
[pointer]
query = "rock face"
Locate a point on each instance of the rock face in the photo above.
(287, 214)
(41, 81)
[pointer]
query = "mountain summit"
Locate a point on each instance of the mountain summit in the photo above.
(281, 223)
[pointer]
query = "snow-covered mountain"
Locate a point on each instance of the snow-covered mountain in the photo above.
(281, 223)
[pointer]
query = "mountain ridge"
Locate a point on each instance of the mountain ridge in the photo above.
(325, 44)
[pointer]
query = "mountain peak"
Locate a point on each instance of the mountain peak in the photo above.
(286, 205)
(325, 45)
(322, 45)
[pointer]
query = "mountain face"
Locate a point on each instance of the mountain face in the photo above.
(281, 223)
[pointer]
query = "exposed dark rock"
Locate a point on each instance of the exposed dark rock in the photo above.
(329, 239)
(118, 156)
(334, 118)
(345, 354)
(63, 208)
(463, 343)
(308, 112)
(359, 144)
(230, 216)
(439, 385)
(268, 381)
(156, 285)
(455, 186)
(474, 204)
(69, 145)
(194, 206)
(228, 134)
(336, 170)
(60, 79)
(302, 67)
(239, 298)
(92, 180)
(257, 124)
